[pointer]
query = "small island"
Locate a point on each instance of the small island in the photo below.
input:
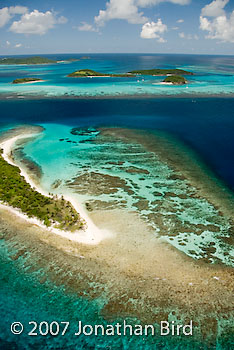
(161, 72)
(52, 211)
(71, 60)
(82, 73)
(26, 80)
(176, 74)
(175, 80)
(27, 60)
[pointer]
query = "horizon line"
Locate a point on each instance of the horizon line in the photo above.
(117, 53)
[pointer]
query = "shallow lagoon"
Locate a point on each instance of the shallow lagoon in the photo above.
(110, 169)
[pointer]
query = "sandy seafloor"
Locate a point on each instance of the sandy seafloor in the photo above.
(156, 173)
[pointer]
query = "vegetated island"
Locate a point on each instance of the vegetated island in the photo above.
(174, 75)
(161, 72)
(175, 80)
(27, 60)
(35, 60)
(52, 211)
(26, 80)
(82, 73)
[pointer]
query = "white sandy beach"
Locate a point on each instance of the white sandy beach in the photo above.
(31, 82)
(90, 235)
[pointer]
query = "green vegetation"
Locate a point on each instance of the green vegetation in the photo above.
(175, 80)
(25, 80)
(161, 72)
(26, 60)
(91, 73)
(16, 192)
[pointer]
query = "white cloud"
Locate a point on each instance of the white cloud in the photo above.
(144, 3)
(8, 43)
(182, 35)
(4, 16)
(152, 30)
(162, 40)
(61, 20)
(36, 22)
(205, 24)
(221, 27)
(86, 27)
(129, 10)
(215, 8)
(6, 13)
(30, 23)
(18, 45)
(180, 21)
(17, 10)
(120, 9)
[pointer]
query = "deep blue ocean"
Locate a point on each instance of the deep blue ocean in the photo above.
(203, 124)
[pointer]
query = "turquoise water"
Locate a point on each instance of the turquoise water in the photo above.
(139, 181)
(203, 125)
(214, 75)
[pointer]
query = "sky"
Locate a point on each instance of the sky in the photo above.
(117, 26)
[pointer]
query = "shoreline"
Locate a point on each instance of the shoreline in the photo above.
(30, 82)
(91, 235)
